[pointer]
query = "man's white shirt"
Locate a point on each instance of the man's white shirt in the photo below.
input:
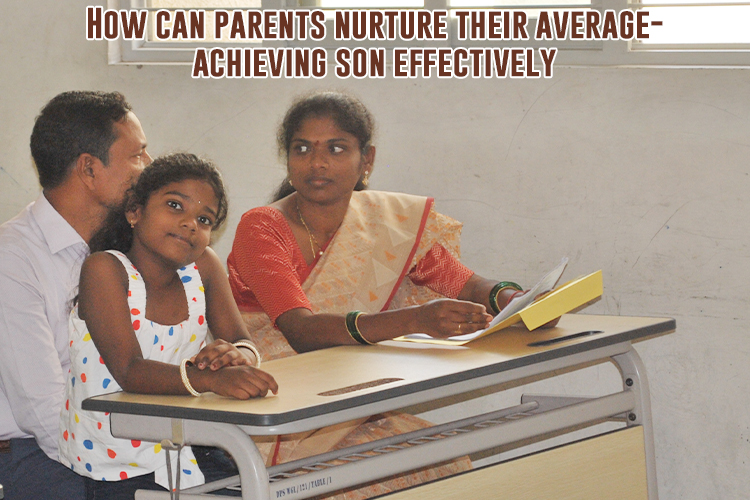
(40, 265)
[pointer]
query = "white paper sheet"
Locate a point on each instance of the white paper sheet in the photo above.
(547, 283)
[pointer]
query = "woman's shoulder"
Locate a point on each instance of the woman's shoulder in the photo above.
(262, 223)
(391, 196)
(263, 214)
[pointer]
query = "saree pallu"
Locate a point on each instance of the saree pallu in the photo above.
(383, 236)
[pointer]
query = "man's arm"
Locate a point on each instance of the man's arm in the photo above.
(30, 370)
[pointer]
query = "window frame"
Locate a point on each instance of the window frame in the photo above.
(604, 53)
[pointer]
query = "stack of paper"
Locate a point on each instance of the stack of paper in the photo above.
(534, 314)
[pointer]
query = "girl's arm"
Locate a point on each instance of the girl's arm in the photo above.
(103, 305)
(222, 314)
(223, 318)
(226, 326)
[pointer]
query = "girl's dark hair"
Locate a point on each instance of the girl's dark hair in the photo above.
(348, 112)
(116, 233)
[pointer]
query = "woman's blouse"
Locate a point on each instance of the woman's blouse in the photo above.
(267, 268)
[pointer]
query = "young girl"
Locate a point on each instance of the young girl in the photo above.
(157, 249)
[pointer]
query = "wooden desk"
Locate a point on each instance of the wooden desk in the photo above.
(603, 467)
(335, 385)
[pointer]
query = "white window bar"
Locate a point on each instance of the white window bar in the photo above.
(659, 50)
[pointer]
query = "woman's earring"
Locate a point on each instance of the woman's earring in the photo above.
(132, 225)
(366, 178)
(290, 182)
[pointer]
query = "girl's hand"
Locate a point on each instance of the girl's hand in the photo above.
(221, 353)
(242, 382)
(444, 318)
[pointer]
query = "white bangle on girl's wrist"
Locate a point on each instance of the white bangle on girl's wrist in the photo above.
(249, 345)
(185, 379)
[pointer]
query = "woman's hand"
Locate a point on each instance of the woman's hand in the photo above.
(505, 296)
(242, 382)
(221, 353)
(444, 318)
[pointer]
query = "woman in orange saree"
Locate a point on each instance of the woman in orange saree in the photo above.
(329, 263)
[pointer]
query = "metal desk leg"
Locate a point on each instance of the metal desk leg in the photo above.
(229, 437)
(634, 379)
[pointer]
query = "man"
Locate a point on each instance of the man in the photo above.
(88, 148)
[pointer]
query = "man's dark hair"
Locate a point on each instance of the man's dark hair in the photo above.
(71, 124)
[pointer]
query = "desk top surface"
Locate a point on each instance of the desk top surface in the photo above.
(333, 379)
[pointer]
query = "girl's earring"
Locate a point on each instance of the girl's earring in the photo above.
(366, 178)
(132, 225)
(290, 182)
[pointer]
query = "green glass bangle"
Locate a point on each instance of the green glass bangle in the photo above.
(353, 328)
(499, 288)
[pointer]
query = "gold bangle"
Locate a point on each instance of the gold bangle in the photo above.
(356, 327)
(185, 379)
(353, 328)
(249, 345)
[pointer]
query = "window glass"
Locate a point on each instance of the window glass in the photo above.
(698, 24)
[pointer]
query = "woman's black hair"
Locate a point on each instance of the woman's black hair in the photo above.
(116, 233)
(348, 112)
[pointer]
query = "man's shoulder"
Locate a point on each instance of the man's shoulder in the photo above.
(24, 250)
(20, 233)
(39, 230)
(25, 256)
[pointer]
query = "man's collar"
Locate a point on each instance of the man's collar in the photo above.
(58, 233)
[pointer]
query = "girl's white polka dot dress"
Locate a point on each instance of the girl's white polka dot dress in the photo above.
(86, 444)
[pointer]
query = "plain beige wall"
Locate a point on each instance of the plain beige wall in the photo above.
(642, 173)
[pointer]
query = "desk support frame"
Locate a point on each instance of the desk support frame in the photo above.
(254, 477)
(426, 396)
(252, 469)
(634, 378)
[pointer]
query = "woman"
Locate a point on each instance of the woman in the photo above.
(328, 263)
(325, 247)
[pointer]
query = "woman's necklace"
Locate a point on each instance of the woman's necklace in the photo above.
(313, 241)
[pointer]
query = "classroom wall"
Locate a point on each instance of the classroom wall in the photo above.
(642, 173)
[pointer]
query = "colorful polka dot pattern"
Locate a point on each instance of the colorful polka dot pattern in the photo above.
(86, 443)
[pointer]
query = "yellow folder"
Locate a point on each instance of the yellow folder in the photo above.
(559, 301)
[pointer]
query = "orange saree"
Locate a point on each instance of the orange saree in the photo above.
(368, 266)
